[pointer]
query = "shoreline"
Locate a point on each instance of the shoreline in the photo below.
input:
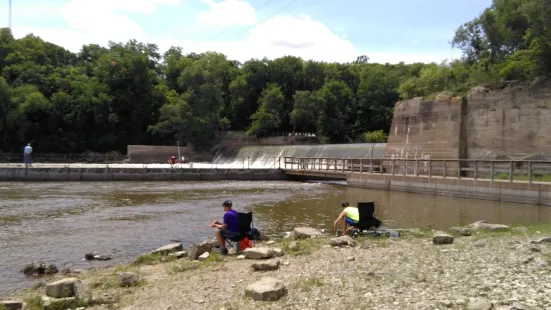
(504, 268)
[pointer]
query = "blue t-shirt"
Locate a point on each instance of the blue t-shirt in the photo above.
(28, 149)
(231, 219)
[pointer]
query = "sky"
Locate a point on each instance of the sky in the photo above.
(325, 30)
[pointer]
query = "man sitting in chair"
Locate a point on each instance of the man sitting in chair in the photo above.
(348, 216)
(228, 229)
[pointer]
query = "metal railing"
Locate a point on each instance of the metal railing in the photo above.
(511, 170)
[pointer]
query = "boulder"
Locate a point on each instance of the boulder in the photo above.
(342, 241)
(203, 257)
(12, 304)
(199, 249)
(542, 240)
(306, 232)
(62, 288)
(266, 289)
(440, 239)
(278, 252)
(212, 242)
(267, 265)
(259, 253)
(461, 231)
(128, 279)
(180, 254)
(49, 303)
(37, 268)
(483, 225)
(169, 248)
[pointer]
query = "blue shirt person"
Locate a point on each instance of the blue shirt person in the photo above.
(27, 155)
(229, 228)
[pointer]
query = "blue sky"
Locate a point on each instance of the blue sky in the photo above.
(386, 31)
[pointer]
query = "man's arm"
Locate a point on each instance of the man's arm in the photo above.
(341, 216)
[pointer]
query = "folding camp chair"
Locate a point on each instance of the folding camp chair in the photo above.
(367, 221)
(247, 233)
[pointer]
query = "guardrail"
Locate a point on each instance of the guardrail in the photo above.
(512, 170)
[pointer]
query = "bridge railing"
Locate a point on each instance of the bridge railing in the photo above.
(511, 170)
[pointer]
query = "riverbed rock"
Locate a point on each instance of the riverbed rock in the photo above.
(272, 264)
(306, 232)
(293, 245)
(38, 268)
(278, 252)
(461, 231)
(342, 241)
(198, 249)
(266, 289)
(203, 257)
(179, 254)
(50, 303)
(62, 288)
(542, 241)
(213, 242)
(169, 248)
(270, 242)
(483, 225)
(481, 305)
(259, 253)
(128, 279)
(94, 256)
(13, 304)
(441, 238)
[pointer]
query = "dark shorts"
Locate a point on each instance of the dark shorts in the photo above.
(27, 158)
(228, 234)
(351, 222)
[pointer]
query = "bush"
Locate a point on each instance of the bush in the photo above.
(378, 136)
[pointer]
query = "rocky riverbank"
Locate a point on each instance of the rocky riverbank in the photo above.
(477, 267)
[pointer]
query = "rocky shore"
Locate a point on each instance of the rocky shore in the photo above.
(482, 266)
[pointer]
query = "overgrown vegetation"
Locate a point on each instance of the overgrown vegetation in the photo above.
(152, 259)
(9, 219)
(307, 284)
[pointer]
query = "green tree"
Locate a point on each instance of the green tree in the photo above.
(269, 114)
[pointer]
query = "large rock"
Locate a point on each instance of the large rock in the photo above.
(49, 303)
(259, 253)
(62, 288)
(169, 248)
(267, 265)
(199, 249)
(542, 240)
(306, 232)
(440, 239)
(127, 279)
(213, 243)
(483, 225)
(342, 241)
(266, 289)
(12, 304)
(38, 268)
(461, 231)
(278, 252)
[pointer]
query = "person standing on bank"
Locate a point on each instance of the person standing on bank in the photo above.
(228, 229)
(27, 155)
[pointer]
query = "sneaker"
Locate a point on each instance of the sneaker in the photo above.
(224, 251)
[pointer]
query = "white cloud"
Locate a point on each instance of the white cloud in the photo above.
(227, 13)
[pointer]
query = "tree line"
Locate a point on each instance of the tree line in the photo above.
(104, 98)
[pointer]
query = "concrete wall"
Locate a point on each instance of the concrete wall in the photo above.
(137, 174)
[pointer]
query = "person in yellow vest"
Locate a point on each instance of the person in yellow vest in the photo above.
(350, 216)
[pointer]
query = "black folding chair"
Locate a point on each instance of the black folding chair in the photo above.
(367, 220)
(246, 230)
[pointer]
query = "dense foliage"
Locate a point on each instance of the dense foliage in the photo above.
(104, 98)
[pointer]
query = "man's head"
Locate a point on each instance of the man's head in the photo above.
(29, 144)
(227, 205)
(344, 204)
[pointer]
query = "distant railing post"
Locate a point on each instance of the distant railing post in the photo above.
(381, 166)
(285, 162)
(430, 168)
(530, 172)
(405, 166)
(492, 170)
(416, 167)
(361, 165)
(459, 168)
(511, 171)
(392, 166)
(343, 164)
(371, 166)
(476, 169)
(445, 172)
(335, 167)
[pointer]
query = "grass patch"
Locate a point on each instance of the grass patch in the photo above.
(303, 246)
(152, 259)
(308, 284)
(9, 220)
(33, 301)
(2, 307)
(183, 266)
(104, 281)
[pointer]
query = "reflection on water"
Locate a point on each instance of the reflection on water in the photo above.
(60, 222)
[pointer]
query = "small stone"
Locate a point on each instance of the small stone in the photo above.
(542, 240)
(198, 249)
(460, 231)
(481, 305)
(12, 304)
(127, 279)
(278, 252)
(179, 254)
(440, 239)
(61, 288)
(542, 263)
(306, 232)
(350, 258)
(286, 263)
(241, 257)
(266, 289)
(259, 253)
(342, 241)
(169, 248)
(203, 257)
(266, 265)
(535, 249)
(483, 225)
(366, 246)
(293, 245)
(480, 244)
(270, 242)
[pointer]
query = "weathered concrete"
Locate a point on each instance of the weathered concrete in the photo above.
(105, 173)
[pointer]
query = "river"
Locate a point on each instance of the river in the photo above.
(60, 222)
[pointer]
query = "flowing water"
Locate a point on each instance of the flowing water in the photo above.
(60, 222)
